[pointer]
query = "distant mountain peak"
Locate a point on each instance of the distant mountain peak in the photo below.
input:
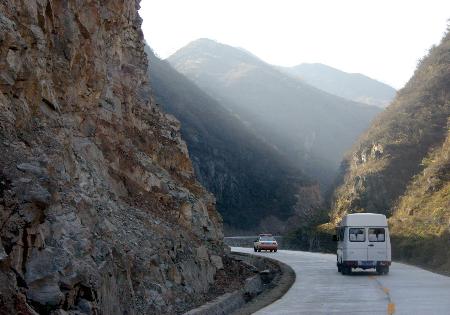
(307, 124)
(353, 86)
(204, 47)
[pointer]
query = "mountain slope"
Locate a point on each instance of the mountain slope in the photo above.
(311, 127)
(421, 219)
(250, 179)
(100, 211)
(352, 86)
(400, 166)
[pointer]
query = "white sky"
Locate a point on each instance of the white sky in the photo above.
(383, 39)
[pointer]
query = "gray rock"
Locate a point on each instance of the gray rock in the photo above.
(3, 254)
(45, 263)
(216, 261)
(45, 293)
(80, 217)
(31, 168)
(253, 286)
(85, 306)
(37, 194)
(48, 96)
(202, 253)
(6, 79)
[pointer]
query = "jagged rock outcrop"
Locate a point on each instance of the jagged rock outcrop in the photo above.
(100, 212)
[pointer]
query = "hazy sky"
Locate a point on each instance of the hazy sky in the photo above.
(383, 39)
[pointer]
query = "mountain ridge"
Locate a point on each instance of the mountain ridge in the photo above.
(298, 119)
(353, 86)
(250, 179)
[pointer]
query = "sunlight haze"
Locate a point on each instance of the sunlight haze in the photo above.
(381, 39)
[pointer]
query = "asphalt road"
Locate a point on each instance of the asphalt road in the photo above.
(320, 289)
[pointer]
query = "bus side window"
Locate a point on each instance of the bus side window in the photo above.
(341, 233)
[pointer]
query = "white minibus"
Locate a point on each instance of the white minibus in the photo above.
(363, 242)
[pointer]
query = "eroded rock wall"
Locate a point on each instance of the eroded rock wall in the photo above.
(99, 210)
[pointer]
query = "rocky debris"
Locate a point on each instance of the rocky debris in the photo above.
(235, 283)
(217, 262)
(375, 152)
(100, 212)
(265, 282)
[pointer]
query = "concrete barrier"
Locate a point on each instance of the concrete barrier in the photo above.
(275, 284)
(224, 304)
(266, 283)
(229, 302)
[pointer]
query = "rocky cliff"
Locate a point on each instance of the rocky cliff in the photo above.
(100, 212)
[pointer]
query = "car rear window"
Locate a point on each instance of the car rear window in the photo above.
(377, 234)
(266, 238)
(357, 235)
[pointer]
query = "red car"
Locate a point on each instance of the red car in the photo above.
(265, 242)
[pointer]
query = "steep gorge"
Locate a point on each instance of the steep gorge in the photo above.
(309, 126)
(256, 187)
(100, 212)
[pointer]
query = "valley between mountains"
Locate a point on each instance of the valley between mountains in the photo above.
(120, 172)
(347, 144)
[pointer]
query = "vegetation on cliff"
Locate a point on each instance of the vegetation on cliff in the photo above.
(400, 166)
(421, 220)
(389, 154)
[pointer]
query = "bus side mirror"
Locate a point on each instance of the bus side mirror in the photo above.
(335, 239)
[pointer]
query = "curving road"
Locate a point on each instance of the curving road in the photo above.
(320, 289)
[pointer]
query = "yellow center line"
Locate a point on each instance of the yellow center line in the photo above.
(391, 308)
(391, 305)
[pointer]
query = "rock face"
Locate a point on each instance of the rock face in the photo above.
(100, 212)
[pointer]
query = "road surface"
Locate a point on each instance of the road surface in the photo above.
(320, 289)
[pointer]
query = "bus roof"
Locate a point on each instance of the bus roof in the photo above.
(364, 219)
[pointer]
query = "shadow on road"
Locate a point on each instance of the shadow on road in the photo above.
(364, 273)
